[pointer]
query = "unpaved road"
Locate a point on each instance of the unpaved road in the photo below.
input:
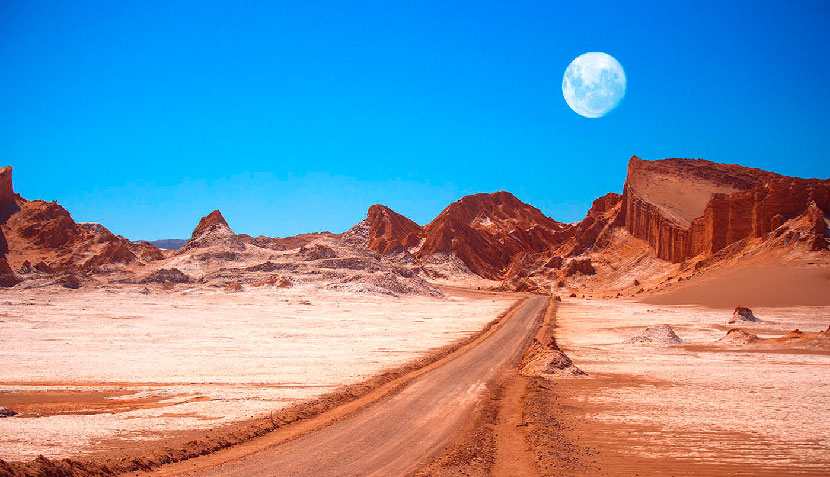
(399, 433)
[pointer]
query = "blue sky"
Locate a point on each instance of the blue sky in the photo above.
(296, 116)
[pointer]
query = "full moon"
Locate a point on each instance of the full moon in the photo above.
(594, 84)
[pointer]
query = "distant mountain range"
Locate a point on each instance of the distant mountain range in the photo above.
(169, 244)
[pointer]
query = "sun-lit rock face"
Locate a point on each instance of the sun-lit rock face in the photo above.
(390, 231)
(729, 218)
(687, 207)
(485, 231)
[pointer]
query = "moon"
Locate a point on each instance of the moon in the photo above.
(594, 84)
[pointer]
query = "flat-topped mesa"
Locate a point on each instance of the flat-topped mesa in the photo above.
(486, 230)
(687, 207)
(390, 231)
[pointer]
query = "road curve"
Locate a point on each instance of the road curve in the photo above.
(397, 434)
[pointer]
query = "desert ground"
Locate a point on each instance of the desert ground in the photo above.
(701, 406)
(87, 371)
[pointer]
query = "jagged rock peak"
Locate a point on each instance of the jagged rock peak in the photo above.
(209, 222)
(390, 231)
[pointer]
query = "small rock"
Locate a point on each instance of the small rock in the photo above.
(6, 412)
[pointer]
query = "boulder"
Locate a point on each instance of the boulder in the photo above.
(742, 314)
(580, 266)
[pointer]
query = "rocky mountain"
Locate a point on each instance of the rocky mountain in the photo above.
(485, 231)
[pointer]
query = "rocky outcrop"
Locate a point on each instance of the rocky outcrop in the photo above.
(115, 252)
(548, 361)
(317, 252)
(818, 223)
(485, 231)
(390, 231)
(211, 221)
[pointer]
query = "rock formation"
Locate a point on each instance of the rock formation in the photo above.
(742, 314)
(213, 231)
(485, 231)
(389, 231)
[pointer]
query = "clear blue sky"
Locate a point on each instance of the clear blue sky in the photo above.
(296, 116)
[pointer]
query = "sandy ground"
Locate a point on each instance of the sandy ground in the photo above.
(86, 368)
(696, 406)
(762, 284)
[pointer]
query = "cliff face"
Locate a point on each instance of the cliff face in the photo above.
(729, 218)
(687, 207)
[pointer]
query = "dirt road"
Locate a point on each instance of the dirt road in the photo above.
(397, 434)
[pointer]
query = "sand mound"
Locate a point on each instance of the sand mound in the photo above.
(548, 361)
(162, 275)
(738, 336)
(743, 314)
(659, 334)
